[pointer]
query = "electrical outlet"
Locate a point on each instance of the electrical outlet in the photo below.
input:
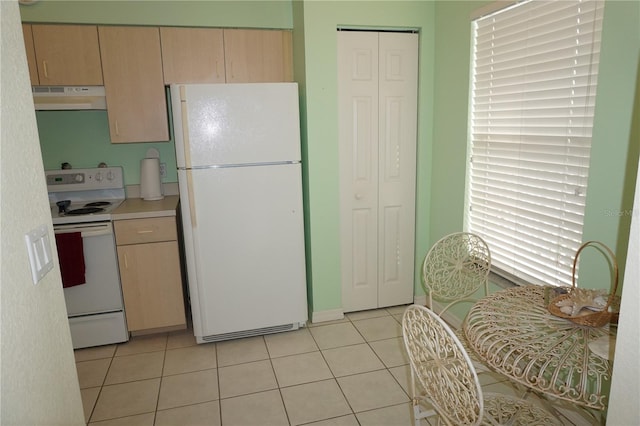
(163, 170)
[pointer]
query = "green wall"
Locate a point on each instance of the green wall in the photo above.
(212, 13)
(614, 154)
(442, 135)
(443, 98)
(615, 149)
(81, 138)
(299, 60)
(320, 20)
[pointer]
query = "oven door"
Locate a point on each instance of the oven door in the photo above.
(102, 292)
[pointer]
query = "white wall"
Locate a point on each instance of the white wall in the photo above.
(38, 379)
(624, 405)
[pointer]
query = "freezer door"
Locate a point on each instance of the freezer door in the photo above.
(244, 243)
(228, 124)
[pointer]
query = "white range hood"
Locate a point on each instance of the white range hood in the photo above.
(69, 98)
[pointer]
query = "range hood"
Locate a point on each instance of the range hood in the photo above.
(47, 98)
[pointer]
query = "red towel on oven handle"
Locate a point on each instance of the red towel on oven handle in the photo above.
(71, 257)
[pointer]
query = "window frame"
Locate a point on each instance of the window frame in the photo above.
(558, 271)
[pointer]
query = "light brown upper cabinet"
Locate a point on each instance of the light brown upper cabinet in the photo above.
(134, 86)
(66, 55)
(31, 54)
(258, 56)
(192, 55)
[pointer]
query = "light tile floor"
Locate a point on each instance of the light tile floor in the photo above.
(342, 373)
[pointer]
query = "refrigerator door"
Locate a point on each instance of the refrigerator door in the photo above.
(231, 124)
(244, 243)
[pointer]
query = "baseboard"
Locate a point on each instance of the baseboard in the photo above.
(420, 300)
(159, 330)
(324, 316)
(338, 314)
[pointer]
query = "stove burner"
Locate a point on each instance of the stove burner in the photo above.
(98, 204)
(84, 210)
(62, 205)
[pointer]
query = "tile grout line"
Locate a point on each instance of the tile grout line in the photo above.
(164, 360)
(271, 358)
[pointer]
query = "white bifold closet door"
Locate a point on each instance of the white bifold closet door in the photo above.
(377, 98)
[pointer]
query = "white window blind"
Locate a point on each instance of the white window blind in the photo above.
(534, 76)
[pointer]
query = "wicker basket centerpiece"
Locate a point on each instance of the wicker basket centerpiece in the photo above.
(594, 308)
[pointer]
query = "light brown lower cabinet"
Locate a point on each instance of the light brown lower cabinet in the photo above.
(149, 263)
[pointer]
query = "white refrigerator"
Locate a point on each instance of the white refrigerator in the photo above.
(239, 175)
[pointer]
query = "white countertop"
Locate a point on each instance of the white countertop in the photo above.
(137, 208)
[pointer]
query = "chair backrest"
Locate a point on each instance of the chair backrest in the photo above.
(442, 367)
(455, 267)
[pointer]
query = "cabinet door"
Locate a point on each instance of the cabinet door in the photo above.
(134, 87)
(192, 55)
(67, 54)
(151, 285)
(257, 56)
(31, 54)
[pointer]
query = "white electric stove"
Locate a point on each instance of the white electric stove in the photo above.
(82, 201)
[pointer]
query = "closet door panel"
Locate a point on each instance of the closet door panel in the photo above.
(377, 91)
(358, 136)
(398, 100)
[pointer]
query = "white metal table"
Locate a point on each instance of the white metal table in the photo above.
(512, 331)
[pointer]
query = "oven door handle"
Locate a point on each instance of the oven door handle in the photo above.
(86, 230)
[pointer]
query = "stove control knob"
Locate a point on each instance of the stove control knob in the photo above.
(110, 175)
(79, 178)
(98, 177)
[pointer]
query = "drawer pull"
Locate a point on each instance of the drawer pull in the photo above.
(145, 231)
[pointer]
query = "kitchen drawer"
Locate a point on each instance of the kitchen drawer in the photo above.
(137, 231)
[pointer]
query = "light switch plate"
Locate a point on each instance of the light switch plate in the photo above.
(39, 248)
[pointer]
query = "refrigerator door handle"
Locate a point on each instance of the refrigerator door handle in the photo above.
(234, 166)
(192, 202)
(185, 127)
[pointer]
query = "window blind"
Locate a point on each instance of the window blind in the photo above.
(534, 77)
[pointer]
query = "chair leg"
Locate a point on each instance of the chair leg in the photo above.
(418, 412)
(414, 400)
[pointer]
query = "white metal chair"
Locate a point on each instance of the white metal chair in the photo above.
(453, 270)
(449, 383)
